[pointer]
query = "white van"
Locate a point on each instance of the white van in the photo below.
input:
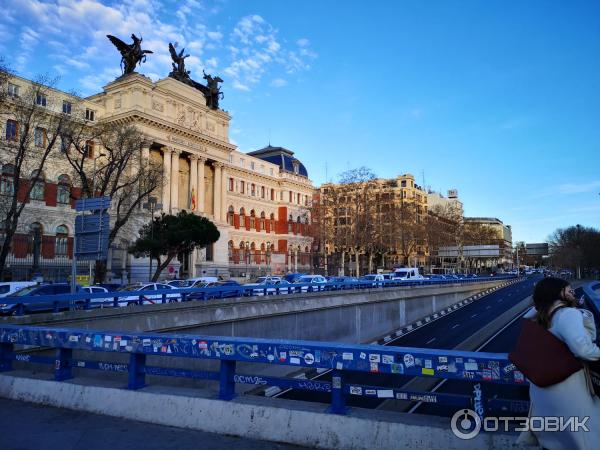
(10, 287)
(407, 273)
(200, 281)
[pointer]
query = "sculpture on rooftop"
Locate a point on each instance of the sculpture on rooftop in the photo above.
(179, 72)
(131, 54)
(213, 92)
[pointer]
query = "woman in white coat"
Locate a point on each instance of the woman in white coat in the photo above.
(555, 309)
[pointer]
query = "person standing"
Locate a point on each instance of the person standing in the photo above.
(555, 308)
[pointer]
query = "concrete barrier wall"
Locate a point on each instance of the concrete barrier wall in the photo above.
(282, 421)
(347, 316)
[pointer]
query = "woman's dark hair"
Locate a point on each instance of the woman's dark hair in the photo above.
(546, 292)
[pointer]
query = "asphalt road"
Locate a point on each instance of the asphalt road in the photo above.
(444, 333)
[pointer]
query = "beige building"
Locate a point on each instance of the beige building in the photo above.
(376, 224)
(259, 201)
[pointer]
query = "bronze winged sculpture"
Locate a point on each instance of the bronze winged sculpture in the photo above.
(131, 54)
(179, 72)
(213, 92)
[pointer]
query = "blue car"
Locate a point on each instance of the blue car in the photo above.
(26, 298)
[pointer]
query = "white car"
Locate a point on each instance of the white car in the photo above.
(98, 302)
(149, 299)
(374, 280)
(408, 274)
(318, 281)
(261, 283)
(11, 287)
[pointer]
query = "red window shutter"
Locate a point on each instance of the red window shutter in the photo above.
(19, 245)
(70, 247)
(22, 192)
(268, 226)
(236, 221)
(48, 249)
(50, 193)
(75, 195)
(248, 223)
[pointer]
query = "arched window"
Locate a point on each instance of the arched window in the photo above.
(306, 220)
(252, 215)
(63, 190)
(262, 192)
(242, 217)
(290, 223)
(230, 216)
(253, 190)
(7, 184)
(262, 220)
(37, 192)
(272, 194)
(62, 234)
(298, 219)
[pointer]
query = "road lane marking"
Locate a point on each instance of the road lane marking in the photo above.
(487, 307)
(430, 341)
(474, 315)
(457, 325)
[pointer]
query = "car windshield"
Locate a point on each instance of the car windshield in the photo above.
(260, 280)
(401, 273)
(24, 291)
(369, 277)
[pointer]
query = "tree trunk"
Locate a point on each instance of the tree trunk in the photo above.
(341, 269)
(370, 262)
(160, 267)
(357, 262)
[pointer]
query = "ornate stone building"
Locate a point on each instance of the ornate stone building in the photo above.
(259, 201)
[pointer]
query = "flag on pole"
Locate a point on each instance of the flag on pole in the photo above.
(193, 200)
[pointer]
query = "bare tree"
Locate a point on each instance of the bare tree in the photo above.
(33, 125)
(121, 172)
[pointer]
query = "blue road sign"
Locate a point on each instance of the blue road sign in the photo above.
(91, 236)
(92, 204)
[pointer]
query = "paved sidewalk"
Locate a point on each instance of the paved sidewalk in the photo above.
(28, 426)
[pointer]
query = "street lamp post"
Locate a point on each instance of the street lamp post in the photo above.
(152, 205)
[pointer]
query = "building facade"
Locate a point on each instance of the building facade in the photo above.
(259, 201)
(370, 225)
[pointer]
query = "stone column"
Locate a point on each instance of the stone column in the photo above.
(175, 181)
(217, 189)
(200, 184)
(144, 159)
(193, 180)
(166, 192)
(224, 187)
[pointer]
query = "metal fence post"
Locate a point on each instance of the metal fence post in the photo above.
(338, 399)
(137, 374)
(62, 364)
(226, 381)
(6, 354)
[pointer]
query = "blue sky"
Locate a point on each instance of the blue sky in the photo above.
(497, 99)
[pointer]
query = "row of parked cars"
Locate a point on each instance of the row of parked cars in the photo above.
(19, 294)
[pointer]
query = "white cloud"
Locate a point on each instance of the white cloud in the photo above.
(302, 42)
(578, 188)
(278, 82)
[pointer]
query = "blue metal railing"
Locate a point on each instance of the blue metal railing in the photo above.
(83, 300)
(478, 368)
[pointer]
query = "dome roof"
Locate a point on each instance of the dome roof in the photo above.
(283, 157)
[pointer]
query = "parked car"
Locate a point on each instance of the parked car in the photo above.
(147, 299)
(10, 287)
(374, 280)
(223, 289)
(25, 297)
(408, 273)
(293, 277)
(318, 281)
(261, 283)
(100, 301)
